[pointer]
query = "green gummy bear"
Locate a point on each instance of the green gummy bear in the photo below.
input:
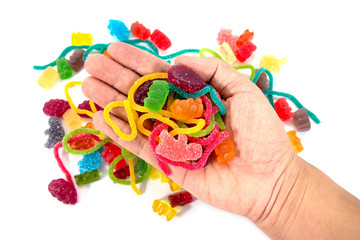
(87, 177)
(157, 95)
(64, 70)
(141, 167)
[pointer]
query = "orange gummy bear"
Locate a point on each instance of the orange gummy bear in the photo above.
(225, 151)
(295, 141)
(187, 108)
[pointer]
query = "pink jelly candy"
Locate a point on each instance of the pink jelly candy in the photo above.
(177, 150)
(225, 35)
(185, 78)
(63, 191)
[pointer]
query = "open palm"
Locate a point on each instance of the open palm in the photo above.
(263, 151)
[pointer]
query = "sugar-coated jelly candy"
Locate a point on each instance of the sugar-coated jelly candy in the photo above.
(263, 81)
(87, 177)
(56, 132)
(247, 36)
(180, 198)
(72, 119)
(76, 61)
(140, 167)
(225, 151)
(110, 152)
(86, 106)
(245, 51)
(272, 63)
(178, 150)
(119, 30)
(225, 35)
(56, 107)
(283, 109)
(227, 53)
(301, 120)
(141, 92)
(63, 191)
(48, 78)
(160, 39)
(122, 173)
(89, 162)
(187, 108)
(139, 31)
(127, 154)
(295, 141)
(64, 70)
(157, 95)
(185, 78)
(79, 39)
(164, 209)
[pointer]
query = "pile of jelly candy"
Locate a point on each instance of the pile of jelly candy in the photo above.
(187, 128)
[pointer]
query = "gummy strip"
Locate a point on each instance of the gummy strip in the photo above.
(208, 110)
(207, 89)
(132, 177)
(178, 53)
(61, 164)
(62, 54)
(134, 42)
(72, 105)
(87, 151)
(130, 117)
(92, 106)
(203, 132)
(126, 154)
(251, 67)
(212, 52)
(271, 82)
(126, 182)
(295, 101)
(206, 141)
(98, 47)
(219, 120)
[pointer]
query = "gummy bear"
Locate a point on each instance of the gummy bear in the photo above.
(295, 141)
(141, 167)
(225, 35)
(86, 106)
(283, 109)
(301, 120)
(174, 186)
(225, 151)
(187, 109)
(139, 31)
(164, 209)
(227, 53)
(180, 198)
(48, 78)
(72, 119)
(76, 61)
(178, 150)
(122, 173)
(247, 36)
(185, 78)
(89, 162)
(272, 63)
(63, 191)
(141, 92)
(245, 51)
(87, 177)
(110, 152)
(65, 72)
(119, 30)
(78, 39)
(160, 39)
(56, 132)
(157, 95)
(263, 81)
(56, 107)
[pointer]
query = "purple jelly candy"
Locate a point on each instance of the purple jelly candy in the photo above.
(301, 120)
(185, 78)
(63, 191)
(141, 92)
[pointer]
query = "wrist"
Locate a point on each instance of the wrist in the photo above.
(284, 204)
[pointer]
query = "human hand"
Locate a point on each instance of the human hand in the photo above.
(248, 184)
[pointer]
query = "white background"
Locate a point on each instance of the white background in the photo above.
(320, 40)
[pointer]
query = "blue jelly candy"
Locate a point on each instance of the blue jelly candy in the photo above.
(119, 30)
(90, 162)
(56, 132)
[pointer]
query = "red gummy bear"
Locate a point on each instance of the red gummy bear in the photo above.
(180, 198)
(283, 109)
(160, 40)
(139, 31)
(245, 51)
(247, 36)
(110, 152)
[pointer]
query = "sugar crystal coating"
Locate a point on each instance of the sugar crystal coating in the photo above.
(119, 30)
(110, 152)
(225, 35)
(56, 107)
(180, 198)
(56, 132)
(141, 92)
(89, 162)
(76, 61)
(63, 191)
(301, 120)
(185, 78)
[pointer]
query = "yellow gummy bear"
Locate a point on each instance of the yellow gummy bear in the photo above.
(78, 39)
(72, 119)
(174, 186)
(227, 53)
(272, 63)
(164, 209)
(295, 141)
(48, 78)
